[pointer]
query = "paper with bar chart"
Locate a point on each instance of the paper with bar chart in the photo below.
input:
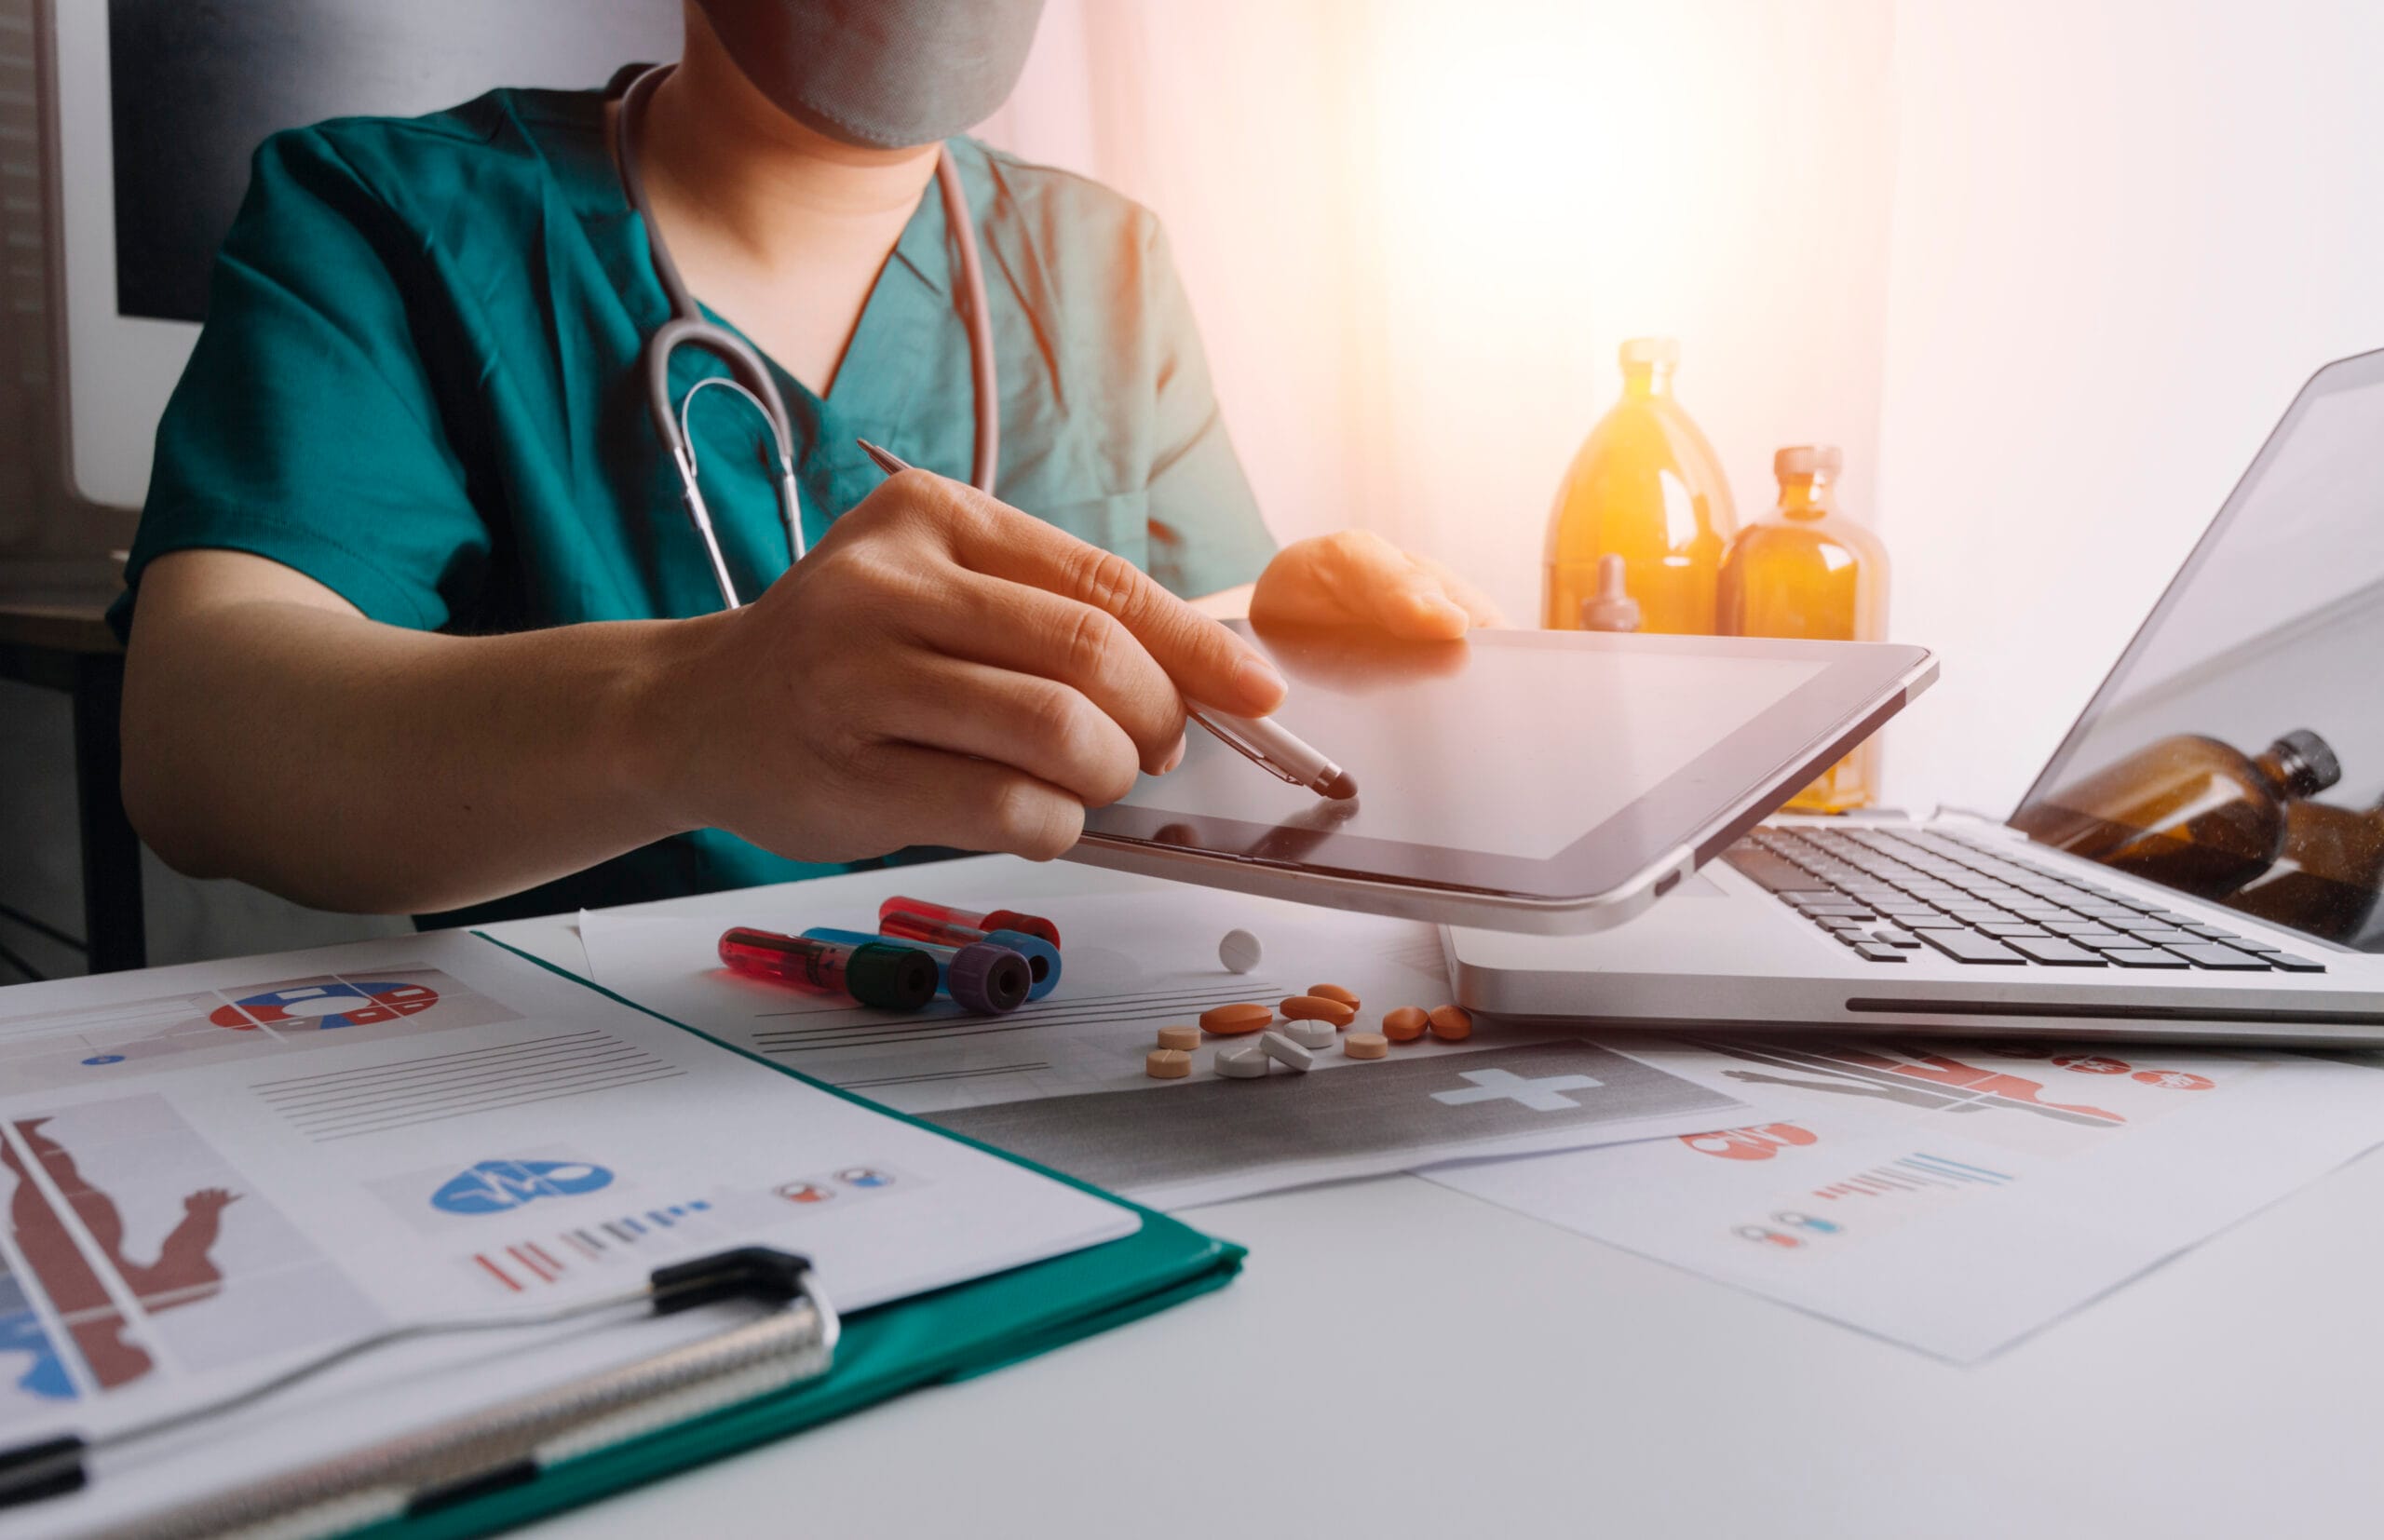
(208, 1172)
(1954, 1197)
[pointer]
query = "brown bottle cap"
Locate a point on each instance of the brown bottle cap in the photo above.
(2307, 761)
(1662, 352)
(1808, 460)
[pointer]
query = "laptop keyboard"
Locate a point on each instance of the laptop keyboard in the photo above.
(1891, 894)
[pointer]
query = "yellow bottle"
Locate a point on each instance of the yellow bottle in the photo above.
(1806, 570)
(1646, 487)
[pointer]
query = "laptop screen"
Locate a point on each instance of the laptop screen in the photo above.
(2237, 751)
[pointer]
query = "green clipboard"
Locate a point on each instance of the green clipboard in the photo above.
(953, 1334)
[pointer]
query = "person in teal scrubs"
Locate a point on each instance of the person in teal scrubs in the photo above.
(416, 620)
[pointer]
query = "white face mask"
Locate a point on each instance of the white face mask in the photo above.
(881, 74)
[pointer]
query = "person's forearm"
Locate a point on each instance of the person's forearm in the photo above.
(358, 766)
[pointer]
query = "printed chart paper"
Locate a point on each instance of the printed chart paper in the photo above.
(1954, 1198)
(208, 1172)
(1061, 1081)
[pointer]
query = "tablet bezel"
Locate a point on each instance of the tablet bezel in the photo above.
(1698, 810)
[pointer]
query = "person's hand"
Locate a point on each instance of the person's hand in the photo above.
(1355, 577)
(941, 670)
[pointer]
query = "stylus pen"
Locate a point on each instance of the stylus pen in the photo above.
(1273, 748)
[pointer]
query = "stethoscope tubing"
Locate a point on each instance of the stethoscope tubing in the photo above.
(750, 375)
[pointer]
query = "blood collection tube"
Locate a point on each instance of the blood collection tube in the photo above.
(981, 977)
(874, 971)
(897, 914)
(1042, 957)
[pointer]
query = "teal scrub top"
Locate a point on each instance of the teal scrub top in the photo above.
(419, 385)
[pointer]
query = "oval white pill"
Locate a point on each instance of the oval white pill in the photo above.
(1240, 952)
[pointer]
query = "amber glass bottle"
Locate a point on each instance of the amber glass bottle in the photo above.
(2327, 880)
(1646, 486)
(1806, 570)
(2188, 811)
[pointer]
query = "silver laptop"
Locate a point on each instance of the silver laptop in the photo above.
(2199, 857)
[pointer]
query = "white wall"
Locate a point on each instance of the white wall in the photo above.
(2124, 233)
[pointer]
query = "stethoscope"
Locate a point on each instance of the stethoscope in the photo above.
(749, 376)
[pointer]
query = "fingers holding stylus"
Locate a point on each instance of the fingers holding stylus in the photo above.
(1207, 662)
(1043, 727)
(1039, 634)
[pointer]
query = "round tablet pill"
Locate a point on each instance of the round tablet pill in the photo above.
(1315, 1007)
(1234, 1019)
(1310, 1034)
(1334, 992)
(1405, 1024)
(1240, 952)
(1167, 1064)
(1248, 1061)
(1179, 1037)
(1451, 1023)
(1365, 1045)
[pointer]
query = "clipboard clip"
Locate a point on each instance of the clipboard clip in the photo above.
(505, 1444)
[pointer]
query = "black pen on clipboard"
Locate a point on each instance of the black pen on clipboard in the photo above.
(1260, 741)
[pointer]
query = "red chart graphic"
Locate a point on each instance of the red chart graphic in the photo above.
(321, 1007)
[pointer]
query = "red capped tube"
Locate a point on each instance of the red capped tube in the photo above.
(899, 916)
(886, 973)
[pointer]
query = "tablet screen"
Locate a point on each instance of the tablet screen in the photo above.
(1494, 763)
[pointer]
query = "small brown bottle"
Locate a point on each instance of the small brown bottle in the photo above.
(1806, 570)
(2327, 880)
(2188, 811)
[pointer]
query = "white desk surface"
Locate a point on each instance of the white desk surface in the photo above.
(1397, 1359)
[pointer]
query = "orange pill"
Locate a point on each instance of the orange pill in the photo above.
(1187, 1038)
(1232, 1021)
(1365, 1045)
(1405, 1024)
(1334, 992)
(1167, 1064)
(1451, 1023)
(1315, 1007)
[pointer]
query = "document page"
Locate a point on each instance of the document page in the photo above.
(1061, 1079)
(211, 1172)
(1955, 1197)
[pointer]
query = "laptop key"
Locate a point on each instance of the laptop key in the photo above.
(1879, 952)
(2012, 927)
(2285, 962)
(2101, 940)
(2210, 954)
(2054, 953)
(2144, 957)
(2161, 935)
(1969, 946)
(1904, 940)
(1775, 872)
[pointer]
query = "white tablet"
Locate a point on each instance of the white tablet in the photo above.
(1548, 781)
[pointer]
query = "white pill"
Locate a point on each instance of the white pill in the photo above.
(1246, 1062)
(1310, 1035)
(1240, 952)
(1284, 1051)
